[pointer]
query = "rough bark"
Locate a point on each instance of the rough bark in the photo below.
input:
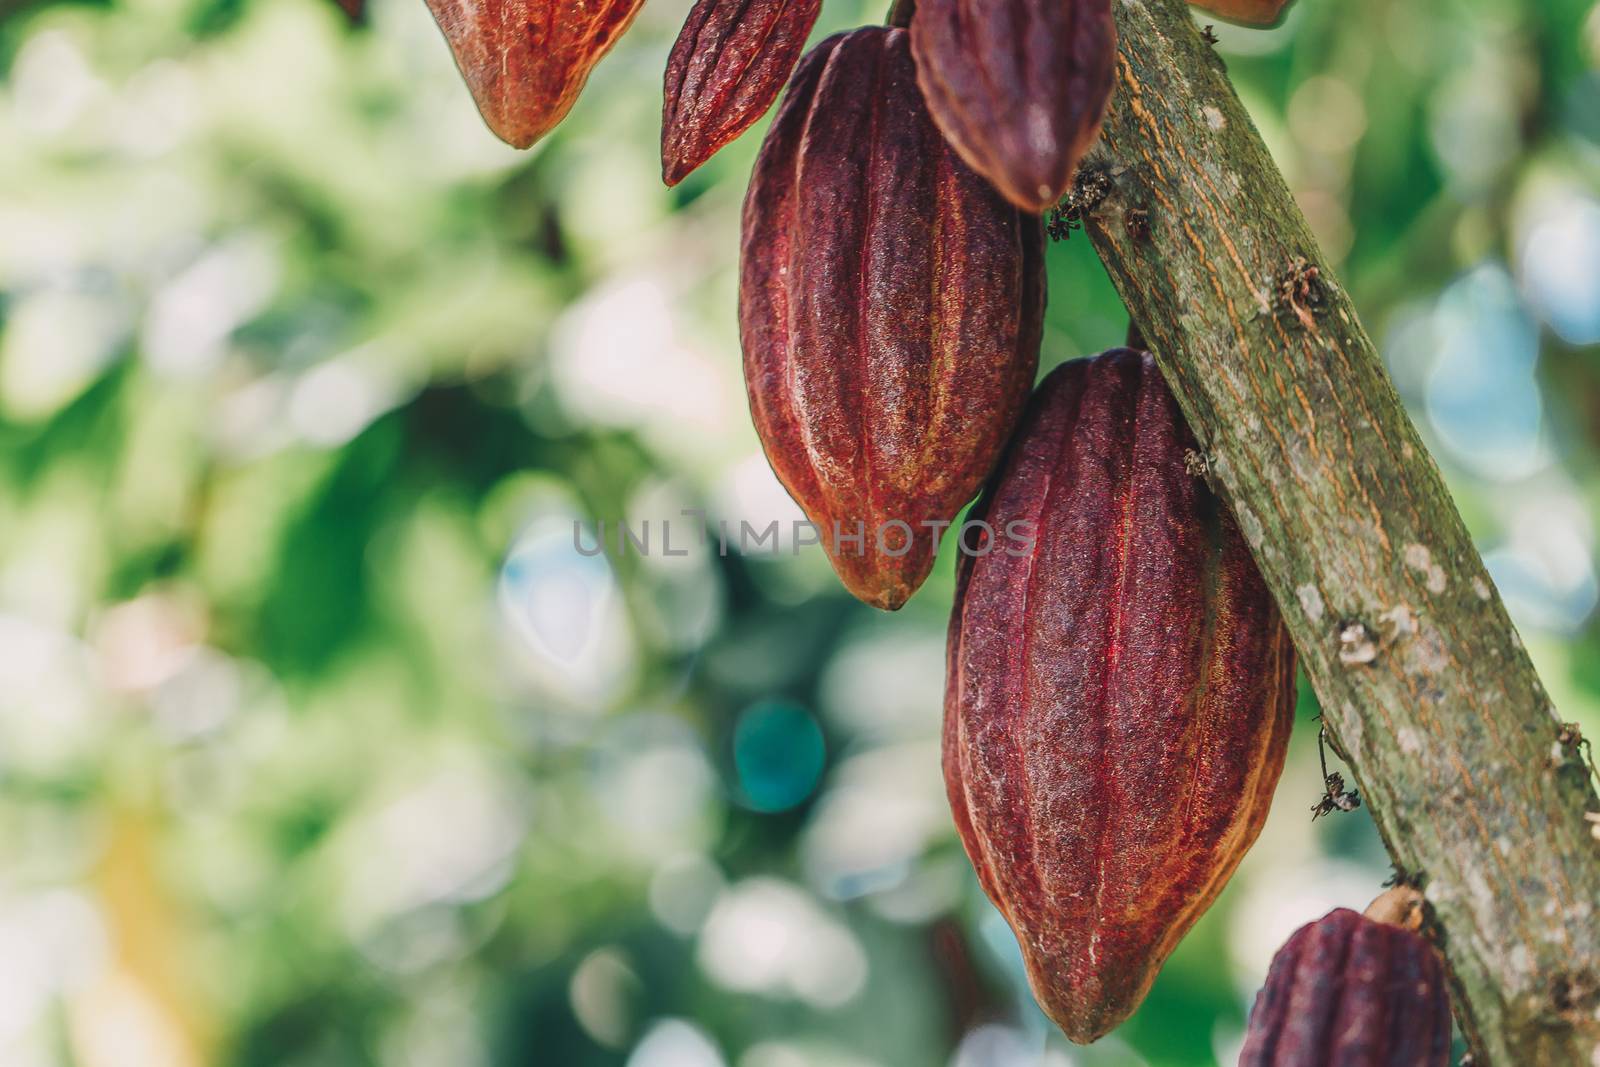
(1423, 681)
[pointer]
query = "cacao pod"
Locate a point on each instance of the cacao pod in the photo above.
(1118, 697)
(726, 68)
(890, 306)
(1353, 991)
(525, 61)
(1246, 12)
(1018, 86)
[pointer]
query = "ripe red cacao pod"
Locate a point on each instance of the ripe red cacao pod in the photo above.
(1246, 12)
(1018, 86)
(1118, 696)
(890, 305)
(726, 68)
(1352, 991)
(525, 61)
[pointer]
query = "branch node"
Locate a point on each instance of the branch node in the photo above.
(1572, 745)
(1575, 996)
(1357, 645)
(1137, 221)
(1089, 189)
(1406, 878)
(1301, 290)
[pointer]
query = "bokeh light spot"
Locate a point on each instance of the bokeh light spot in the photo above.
(1560, 262)
(778, 753)
(1482, 396)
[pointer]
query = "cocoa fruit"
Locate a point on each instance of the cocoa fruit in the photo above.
(890, 306)
(727, 67)
(525, 61)
(1018, 86)
(1352, 990)
(1118, 697)
(1245, 12)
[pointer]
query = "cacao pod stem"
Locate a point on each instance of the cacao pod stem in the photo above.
(1399, 906)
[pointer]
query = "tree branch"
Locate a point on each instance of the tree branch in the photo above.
(1423, 681)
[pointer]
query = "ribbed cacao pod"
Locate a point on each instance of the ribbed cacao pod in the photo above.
(726, 68)
(1018, 86)
(525, 61)
(890, 304)
(1118, 697)
(1246, 12)
(1352, 991)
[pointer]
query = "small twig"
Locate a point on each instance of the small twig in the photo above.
(1570, 737)
(1335, 797)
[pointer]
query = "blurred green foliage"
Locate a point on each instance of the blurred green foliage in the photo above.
(319, 742)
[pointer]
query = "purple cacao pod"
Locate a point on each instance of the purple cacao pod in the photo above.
(1018, 86)
(890, 306)
(1350, 991)
(1119, 691)
(525, 61)
(726, 68)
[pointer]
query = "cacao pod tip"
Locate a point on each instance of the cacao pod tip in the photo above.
(526, 63)
(726, 68)
(517, 137)
(883, 582)
(1256, 14)
(892, 598)
(1085, 1023)
(1087, 1001)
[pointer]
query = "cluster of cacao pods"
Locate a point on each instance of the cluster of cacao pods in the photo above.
(1120, 685)
(1017, 86)
(892, 287)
